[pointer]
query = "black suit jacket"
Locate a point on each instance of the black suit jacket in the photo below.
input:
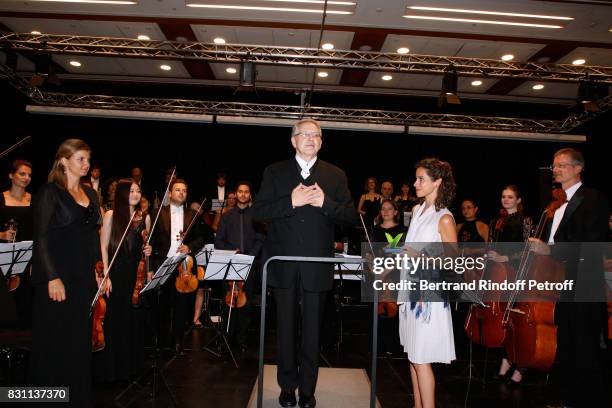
(584, 223)
(302, 231)
(161, 236)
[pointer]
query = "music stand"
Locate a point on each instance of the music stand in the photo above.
(227, 266)
(159, 278)
(217, 204)
(15, 257)
(202, 257)
(349, 272)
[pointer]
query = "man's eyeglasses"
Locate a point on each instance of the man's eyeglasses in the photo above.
(561, 165)
(309, 135)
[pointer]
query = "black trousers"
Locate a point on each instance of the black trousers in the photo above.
(579, 354)
(298, 366)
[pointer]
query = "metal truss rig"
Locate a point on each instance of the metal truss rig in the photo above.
(368, 116)
(304, 57)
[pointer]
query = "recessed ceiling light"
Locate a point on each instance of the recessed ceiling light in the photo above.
(403, 50)
(165, 67)
(507, 57)
(387, 77)
(537, 87)
(579, 61)
(219, 41)
(327, 46)
(230, 70)
(36, 32)
(476, 83)
(90, 1)
(322, 74)
(75, 63)
(143, 37)
(476, 21)
(287, 9)
(494, 13)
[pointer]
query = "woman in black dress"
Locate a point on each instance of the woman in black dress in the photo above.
(388, 228)
(511, 226)
(472, 229)
(369, 203)
(66, 249)
(16, 225)
(123, 354)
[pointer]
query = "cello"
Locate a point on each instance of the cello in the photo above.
(532, 333)
(484, 324)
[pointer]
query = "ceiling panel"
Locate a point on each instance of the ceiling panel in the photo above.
(121, 66)
(593, 56)
(457, 47)
(281, 37)
(551, 90)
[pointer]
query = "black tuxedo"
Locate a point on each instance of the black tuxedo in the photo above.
(585, 220)
(160, 241)
(301, 231)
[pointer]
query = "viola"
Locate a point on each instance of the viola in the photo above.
(186, 280)
(387, 309)
(99, 312)
(235, 296)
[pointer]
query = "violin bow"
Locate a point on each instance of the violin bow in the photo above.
(195, 217)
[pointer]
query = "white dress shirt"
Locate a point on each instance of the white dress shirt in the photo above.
(95, 183)
(559, 212)
(221, 192)
(176, 227)
(305, 166)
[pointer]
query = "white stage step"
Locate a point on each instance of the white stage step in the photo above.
(336, 388)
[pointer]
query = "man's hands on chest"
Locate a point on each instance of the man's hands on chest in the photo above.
(307, 195)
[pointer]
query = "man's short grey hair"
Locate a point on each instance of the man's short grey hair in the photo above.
(298, 124)
(575, 155)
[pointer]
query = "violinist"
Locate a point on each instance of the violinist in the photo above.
(582, 218)
(168, 240)
(511, 226)
(237, 231)
(66, 249)
(123, 355)
(16, 225)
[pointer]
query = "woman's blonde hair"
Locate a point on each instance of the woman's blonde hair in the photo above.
(69, 147)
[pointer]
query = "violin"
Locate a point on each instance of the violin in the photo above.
(99, 312)
(387, 309)
(141, 274)
(235, 296)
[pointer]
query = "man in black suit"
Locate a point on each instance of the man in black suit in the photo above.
(581, 219)
(173, 221)
(301, 199)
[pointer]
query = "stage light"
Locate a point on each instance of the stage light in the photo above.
(507, 57)
(476, 83)
(537, 87)
(403, 50)
(247, 75)
(322, 74)
(579, 61)
(448, 93)
(143, 37)
(327, 46)
(231, 70)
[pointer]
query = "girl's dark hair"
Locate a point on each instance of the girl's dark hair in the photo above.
(437, 169)
(121, 212)
(379, 219)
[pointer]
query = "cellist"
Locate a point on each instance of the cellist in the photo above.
(582, 218)
(511, 226)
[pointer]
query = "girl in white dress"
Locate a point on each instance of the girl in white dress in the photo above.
(425, 328)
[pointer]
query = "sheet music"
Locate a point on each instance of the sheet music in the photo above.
(17, 254)
(216, 204)
(239, 265)
(163, 272)
(203, 255)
